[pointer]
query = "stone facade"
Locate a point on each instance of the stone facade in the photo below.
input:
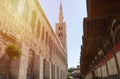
(23, 22)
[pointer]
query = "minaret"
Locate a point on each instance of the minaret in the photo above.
(61, 14)
(61, 28)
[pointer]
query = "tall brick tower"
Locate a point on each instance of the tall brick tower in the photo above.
(61, 28)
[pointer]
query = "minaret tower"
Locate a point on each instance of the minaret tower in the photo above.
(61, 28)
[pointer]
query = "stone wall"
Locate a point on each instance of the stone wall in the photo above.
(24, 21)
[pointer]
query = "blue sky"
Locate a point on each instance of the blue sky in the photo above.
(73, 11)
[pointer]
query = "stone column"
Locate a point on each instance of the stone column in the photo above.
(14, 69)
(46, 70)
(37, 67)
(41, 67)
(61, 73)
(23, 64)
(107, 70)
(50, 70)
(55, 72)
(58, 73)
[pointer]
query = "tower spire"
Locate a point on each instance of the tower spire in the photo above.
(61, 28)
(61, 13)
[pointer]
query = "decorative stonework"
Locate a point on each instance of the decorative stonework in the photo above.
(25, 29)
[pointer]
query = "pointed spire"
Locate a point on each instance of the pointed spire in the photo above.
(60, 5)
(60, 13)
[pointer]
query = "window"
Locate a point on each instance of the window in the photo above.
(38, 28)
(42, 33)
(60, 34)
(46, 41)
(33, 20)
(60, 28)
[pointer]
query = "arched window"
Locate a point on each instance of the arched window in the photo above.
(38, 28)
(46, 41)
(42, 33)
(58, 28)
(60, 34)
(33, 20)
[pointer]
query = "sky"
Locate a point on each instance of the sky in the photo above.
(73, 11)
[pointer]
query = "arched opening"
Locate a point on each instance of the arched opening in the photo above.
(30, 65)
(47, 38)
(46, 69)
